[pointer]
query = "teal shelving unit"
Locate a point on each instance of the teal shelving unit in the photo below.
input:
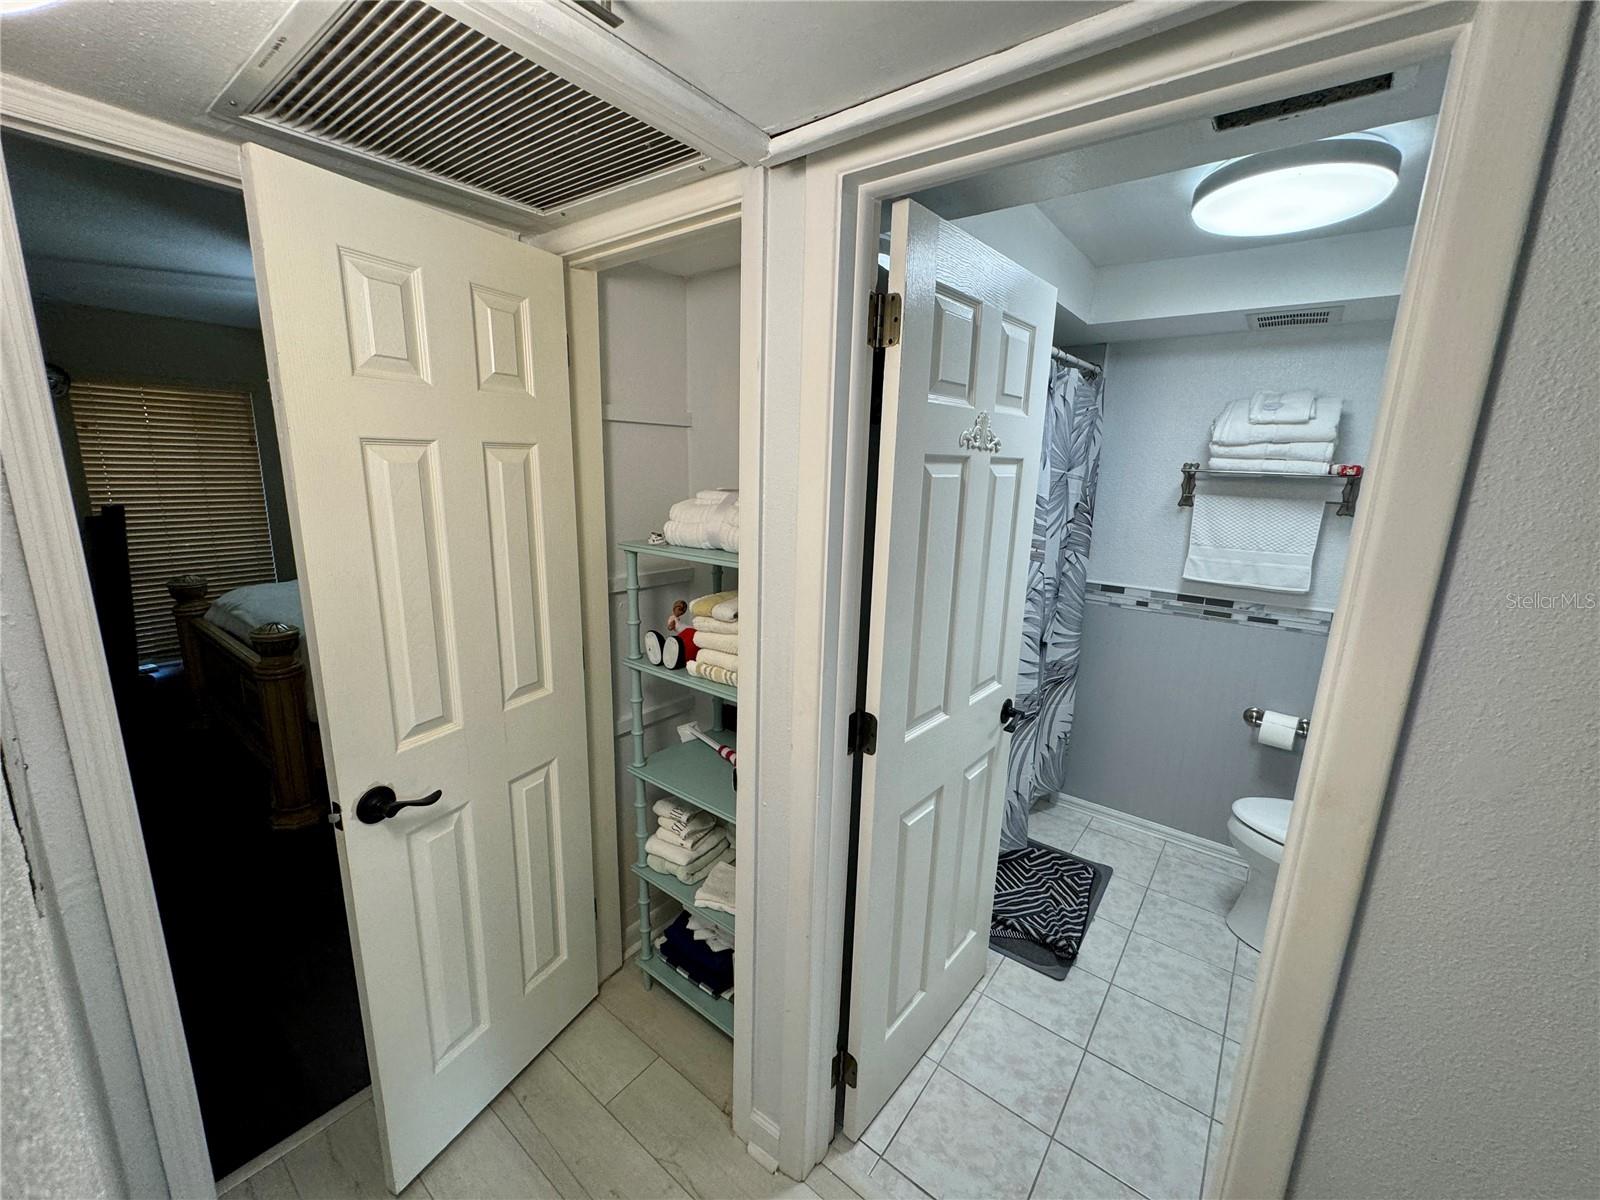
(690, 771)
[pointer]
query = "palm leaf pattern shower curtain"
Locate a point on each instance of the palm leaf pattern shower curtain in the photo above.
(1052, 627)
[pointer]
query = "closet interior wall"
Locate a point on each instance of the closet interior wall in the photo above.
(669, 364)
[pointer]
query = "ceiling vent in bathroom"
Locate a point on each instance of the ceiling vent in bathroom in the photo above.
(1296, 318)
(402, 84)
(1289, 106)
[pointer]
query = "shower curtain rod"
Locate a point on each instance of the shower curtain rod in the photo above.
(1089, 369)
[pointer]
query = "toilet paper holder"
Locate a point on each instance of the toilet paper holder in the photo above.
(1252, 717)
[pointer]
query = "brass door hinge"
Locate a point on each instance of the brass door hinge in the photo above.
(883, 319)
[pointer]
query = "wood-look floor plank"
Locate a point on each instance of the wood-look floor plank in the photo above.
(829, 1186)
(272, 1182)
(690, 1137)
(538, 1147)
(694, 1047)
(344, 1162)
(604, 1156)
(485, 1162)
(602, 1052)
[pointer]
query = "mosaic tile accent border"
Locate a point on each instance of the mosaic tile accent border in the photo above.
(1214, 608)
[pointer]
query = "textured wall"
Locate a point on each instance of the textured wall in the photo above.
(1463, 1056)
(1158, 731)
(1161, 396)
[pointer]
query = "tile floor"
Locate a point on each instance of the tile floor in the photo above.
(1110, 1083)
(631, 1100)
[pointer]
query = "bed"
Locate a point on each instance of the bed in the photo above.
(244, 660)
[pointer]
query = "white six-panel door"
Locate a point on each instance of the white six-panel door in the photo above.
(953, 520)
(420, 383)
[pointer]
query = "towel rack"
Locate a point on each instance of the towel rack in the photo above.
(1350, 475)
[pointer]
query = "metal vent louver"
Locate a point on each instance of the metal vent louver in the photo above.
(402, 82)
(1293, 318)
(1277, 110)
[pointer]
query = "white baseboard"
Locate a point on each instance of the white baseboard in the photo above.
(1205, 845)
(299, 1137)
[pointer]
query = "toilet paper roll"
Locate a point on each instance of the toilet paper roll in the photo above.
(1277, 730)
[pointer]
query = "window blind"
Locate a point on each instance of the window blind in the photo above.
(184, 462)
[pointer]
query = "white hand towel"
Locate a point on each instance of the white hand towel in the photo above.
(1280, 466)
(727, 643)
(728, 610)
(717, 658)
(1234, 428)
(686, 827)
(668, 852)
(719, 889)
(1260, 535)
(1283, 408)
(712, 625)
(688, 814)
(1319, 452)
(692, 840)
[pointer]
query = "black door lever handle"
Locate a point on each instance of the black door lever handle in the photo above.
(378, 803)
(1010, 718)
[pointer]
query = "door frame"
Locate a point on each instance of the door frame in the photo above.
(1507, 65)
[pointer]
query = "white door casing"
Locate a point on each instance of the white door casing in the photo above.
(420, 386)
(963, 417)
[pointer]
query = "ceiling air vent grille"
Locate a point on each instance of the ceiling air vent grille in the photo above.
(402, 82)
(1277, 110)
(1295, 318)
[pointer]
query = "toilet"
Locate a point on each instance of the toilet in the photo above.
(1257, 830)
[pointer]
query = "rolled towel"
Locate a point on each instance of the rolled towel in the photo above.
(719, 889)
(728, 610)
(1304, 451)
(718, 658)
(701, 606)
(1283, 408)
(1233, 426)
(714, 674)
(684, 857)
(1271, 466)
(726, 643)
(712, 625)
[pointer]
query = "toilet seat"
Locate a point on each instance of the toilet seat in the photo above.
(1266, 815)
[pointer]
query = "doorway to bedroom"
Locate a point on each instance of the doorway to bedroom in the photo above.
(144, 295)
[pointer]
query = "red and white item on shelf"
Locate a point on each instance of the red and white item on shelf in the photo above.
(675, 648)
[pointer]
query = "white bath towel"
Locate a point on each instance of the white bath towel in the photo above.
(711, 935)
(701, 606)
(668, 852)
(1317, 452)
(719, 889)
(727, 610)
(1233, 426)
(716, 658)
(712, 625)
(708, 520)
(1256, 535)
(714, 674)
(693, 840)
(727, 643)
(1283, 408)
(684, 816)
(1282, 466)
(692, 872)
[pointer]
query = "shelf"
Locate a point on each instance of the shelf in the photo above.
(694, 772)
(715, 558)
(720, 690)
(718, 1011)
(683, 893)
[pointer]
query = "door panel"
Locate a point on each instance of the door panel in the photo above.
(963, 418)
(420, 380)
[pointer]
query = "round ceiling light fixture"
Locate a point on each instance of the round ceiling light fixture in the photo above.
(1297, 188)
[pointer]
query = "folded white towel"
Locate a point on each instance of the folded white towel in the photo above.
(712, 625)
(706, 522)
(691, 840)
(717, 658)
(720, 675)
(728, 610)
(719, 889)
(1261, 535)
(728, 643)
(1283, 408)
(711, 935)
(1318, 452)
(1233, 426)
(688, 814)
(696, 823)
(692, 872)
(1279, 466)
(668, 852)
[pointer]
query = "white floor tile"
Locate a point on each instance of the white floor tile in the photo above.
(1120, 902)
(1129, 833)
(1163, 1049)
(1132, 861)
(601, 1052)
(1064, 1006)
(1230, 1060)
(1140, 1135)
(829, 1186)
(1056, 826)
(1239, 1006)
(1196, 857)
(1188, 927)
(1101, 949)
(895, 1185)
(851, 1162)
(1010, 1059)
(1247, 961)
(1213, 1157)
(1067, 1175)
(1187, 985)
(1216, 890)
(887, 1123)
(959, 1143)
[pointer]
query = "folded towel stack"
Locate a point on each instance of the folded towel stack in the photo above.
(718, 890)
(687, 842)
(1292, 433)
(715, 620)
(703, 964)
(708, 520)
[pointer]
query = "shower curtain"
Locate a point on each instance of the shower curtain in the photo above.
(1063, 519)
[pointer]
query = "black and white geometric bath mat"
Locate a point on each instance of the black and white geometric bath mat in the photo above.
(1044, 900)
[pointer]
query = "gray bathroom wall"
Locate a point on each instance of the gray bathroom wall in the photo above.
(1159, 730)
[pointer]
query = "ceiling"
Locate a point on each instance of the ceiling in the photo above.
(109, 235)
(781, 63)
(1146, 220)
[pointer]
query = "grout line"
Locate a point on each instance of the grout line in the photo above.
(515, 1141)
